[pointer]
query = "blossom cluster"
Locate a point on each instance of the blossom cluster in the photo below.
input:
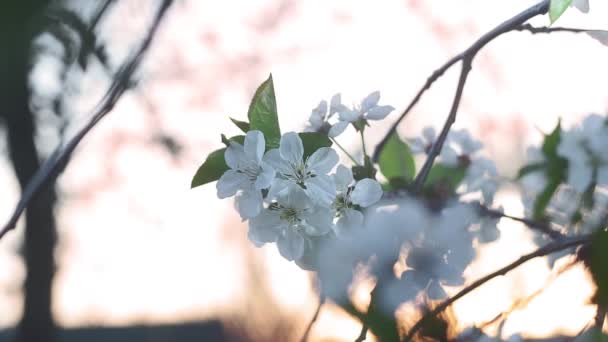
(289, 198)
(308, 201)
(571, 170)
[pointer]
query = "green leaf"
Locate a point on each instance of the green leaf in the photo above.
(598, 264)
(396, 160)
(313, 141)
(543, 199)
(211, 170)
(445, 176)
(366, 170)
(237, 138)
(242, 125)
(557, 8)
(551, 142)
(262, 114)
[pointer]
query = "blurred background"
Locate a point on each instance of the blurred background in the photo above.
(121, 248)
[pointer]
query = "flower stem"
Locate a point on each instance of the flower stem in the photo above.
(345, 151)
(363, 145)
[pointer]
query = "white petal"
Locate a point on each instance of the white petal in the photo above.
(417, 145)
(367, 192)
(234, 155)
(449, 156)
(320, 111)
(249, 203)
(229, 183)
(579, 176)
(321, 189)
(264, 228)
(370, 101)
(255, 145)
(379, 112)
(322, 160)
(349, 221)
(429, 134)
(602, 175)
(278, 188)
(336, 104)
(319, 221)
(350, 115)
(274, 159)
(291, 148)
(600, 36)
(291, 245)
(582, 5)
(337, 128)
(265, 177)
(343, 178)
(296, 198)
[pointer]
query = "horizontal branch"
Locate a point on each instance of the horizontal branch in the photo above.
(57, 162)
(532, 224)
(553, 247)
(545, 29)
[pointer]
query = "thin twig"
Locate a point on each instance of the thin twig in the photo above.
(363, 334)
(509, 25)
(314, 318)
(532, 224)
(545, 29)
(545, 250)
(61, 156)
(467, 59)
(600, 315)
(438, 144)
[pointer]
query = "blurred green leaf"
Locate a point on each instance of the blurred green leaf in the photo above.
(211, 170)
(313, 141)
(551, 142)
(555, 171)
(557, 8)
(237, 138)
(445, 176)
(598, 264)
(366, 170)
(543, 199)
(396, 160)
(242, 125)
(262, 113)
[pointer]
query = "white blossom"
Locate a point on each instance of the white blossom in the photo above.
(247, 176)
(289, 222)
(481, 175)
(582, 5)
(363, 194)
(458, 146)
(367, 110)
(295, 172)
(320, 116)
(423, 145)
(584, 147)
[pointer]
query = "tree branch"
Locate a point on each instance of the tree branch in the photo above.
(61, 156)
(467, 59)
(313, 319)
(545, 250)
(545, 29)
(509, 25)
(534, 225)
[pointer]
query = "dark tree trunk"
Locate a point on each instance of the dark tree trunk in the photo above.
(17, 18)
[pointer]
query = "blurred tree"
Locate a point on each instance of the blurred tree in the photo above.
(17, 18)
